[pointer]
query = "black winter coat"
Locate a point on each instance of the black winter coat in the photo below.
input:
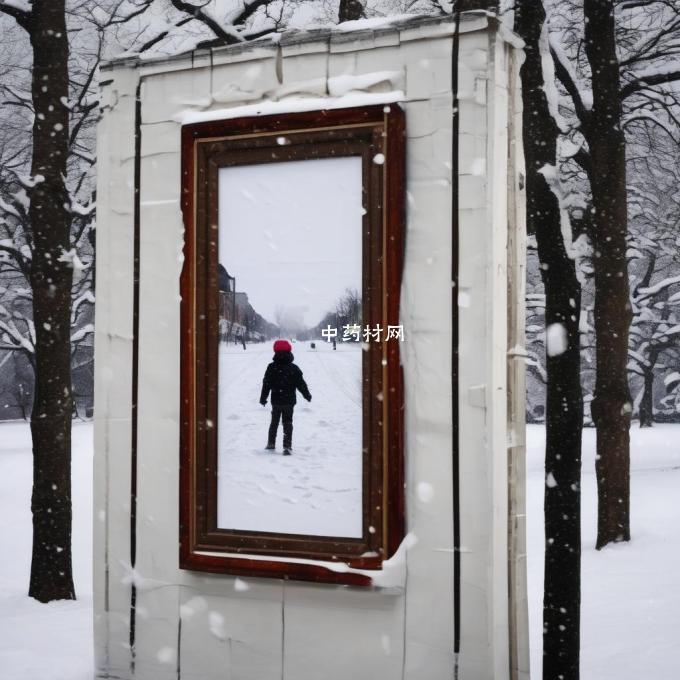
(282, 378)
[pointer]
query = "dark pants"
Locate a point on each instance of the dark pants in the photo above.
(279, 412)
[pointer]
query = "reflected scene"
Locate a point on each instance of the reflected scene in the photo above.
(290, 264)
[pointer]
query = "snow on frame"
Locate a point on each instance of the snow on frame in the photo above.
(291, 105)
(392, 574)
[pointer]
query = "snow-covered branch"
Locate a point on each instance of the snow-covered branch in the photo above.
(83, 210)
(244, 11)
(582, 98)
(9, 209)
(226, 33)
(532, 361)
(17, 254)
(86, 298)
(14, 335)
(19, 10)
(82, 333)
(549, 84)
(657, 287)
(162, 35)
(551, 177)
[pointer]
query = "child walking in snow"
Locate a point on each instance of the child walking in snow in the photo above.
(282, 378)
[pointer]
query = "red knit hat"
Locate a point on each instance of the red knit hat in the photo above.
(282, 346)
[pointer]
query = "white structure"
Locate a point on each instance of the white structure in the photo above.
(157, 621)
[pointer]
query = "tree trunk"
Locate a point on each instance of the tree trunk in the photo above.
(564, 399)
(647, 402)
(611, 406)
(50, 222)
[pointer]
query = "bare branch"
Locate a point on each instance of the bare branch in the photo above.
(648, 116)
(22, 263)
(634, 4)
(238, 16)
(156, 39)
(644, 50)
(200, 15)
(649, 80)
(114, 21)
(76, 128)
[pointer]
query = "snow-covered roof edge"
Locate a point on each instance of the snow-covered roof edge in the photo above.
(405, 28)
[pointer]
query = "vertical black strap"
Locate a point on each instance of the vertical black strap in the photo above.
(135, 370)
(454, 329)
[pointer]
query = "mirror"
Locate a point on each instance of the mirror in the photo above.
(290, 265)
(294, 226)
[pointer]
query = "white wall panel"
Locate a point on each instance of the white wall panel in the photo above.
(242, 629)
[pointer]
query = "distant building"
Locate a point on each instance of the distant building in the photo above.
(238, 319)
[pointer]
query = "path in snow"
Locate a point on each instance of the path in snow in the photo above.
(43, 641)
(630, 602)
(317, 490)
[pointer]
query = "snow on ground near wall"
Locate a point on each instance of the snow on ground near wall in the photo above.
(630, 592)
(43, 641)
(317, 490)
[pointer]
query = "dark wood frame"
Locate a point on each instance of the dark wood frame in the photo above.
(206, 147)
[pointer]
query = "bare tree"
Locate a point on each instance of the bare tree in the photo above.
(614, 73)
(348, 307)
(648, 45)
(611, 408)
(47, 210)
(654, 263)
(564, 404)
(50, 278)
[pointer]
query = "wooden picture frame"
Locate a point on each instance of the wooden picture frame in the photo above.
(376, 134)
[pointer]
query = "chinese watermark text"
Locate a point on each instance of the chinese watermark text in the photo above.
(355, 332)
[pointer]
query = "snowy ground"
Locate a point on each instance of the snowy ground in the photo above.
(317, 490)
(38, 641)
(630, 592)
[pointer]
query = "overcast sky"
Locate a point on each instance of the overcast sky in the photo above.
(290, 233)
